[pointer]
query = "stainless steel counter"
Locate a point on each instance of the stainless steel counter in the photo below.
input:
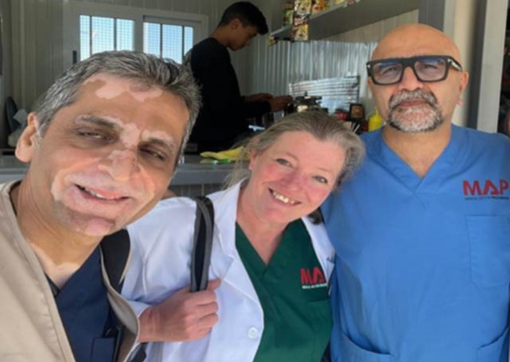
(192, 172)
(192, 178)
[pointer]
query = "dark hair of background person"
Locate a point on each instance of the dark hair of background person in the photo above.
(247, 13)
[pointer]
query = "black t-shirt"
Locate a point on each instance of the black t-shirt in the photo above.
(222, 117)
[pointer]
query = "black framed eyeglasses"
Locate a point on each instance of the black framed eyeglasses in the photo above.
(426, 68)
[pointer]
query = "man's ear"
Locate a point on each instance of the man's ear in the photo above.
(464, 78)
(370, 85)
(28, 140)
(235, 24)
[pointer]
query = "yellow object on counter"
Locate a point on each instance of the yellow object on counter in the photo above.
(212, 161)
(225, 156)
(375, 121)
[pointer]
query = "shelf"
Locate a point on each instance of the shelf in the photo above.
(339, 19)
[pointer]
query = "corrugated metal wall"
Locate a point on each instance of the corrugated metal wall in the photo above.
(271, 69)
(285, 63)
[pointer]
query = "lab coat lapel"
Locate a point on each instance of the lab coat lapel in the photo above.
(321, 244)
(237, 277)
(231, 267)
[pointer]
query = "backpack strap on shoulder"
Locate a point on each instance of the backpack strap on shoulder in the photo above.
(202, 243)
(115, 249)
(200, 255)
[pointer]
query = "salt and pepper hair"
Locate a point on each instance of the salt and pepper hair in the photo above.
(320, 125)
(146, 70)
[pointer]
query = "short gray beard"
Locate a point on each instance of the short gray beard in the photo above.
(418, 119)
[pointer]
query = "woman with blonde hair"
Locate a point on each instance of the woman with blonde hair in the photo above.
(270, 248)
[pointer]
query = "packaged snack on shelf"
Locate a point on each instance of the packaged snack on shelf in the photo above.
(288, 12)
(271, 40)
(319, 5)
(302, 8)
(300, 33)
(300, 20)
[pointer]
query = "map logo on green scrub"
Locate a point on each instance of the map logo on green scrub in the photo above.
(311, 279)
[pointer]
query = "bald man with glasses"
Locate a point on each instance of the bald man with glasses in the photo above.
(422, 232)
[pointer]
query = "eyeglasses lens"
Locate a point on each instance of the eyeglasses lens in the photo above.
(430, 69)
(427, 70)
(387, 72)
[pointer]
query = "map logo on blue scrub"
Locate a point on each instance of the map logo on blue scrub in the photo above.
(312, 278)
(488, 189)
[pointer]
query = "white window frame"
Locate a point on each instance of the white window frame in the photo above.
(73, 10)
(170, 21)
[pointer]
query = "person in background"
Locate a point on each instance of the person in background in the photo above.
(222, 118)
(270, 250)
(421, 232)
(102, 148)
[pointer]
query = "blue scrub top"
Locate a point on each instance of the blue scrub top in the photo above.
(86, 313)
(423, 265)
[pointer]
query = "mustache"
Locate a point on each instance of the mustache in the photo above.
(403, 96)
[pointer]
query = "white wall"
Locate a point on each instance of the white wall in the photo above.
(464, 35)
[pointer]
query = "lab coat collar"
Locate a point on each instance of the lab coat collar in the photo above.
(225, 214)
(225, 211)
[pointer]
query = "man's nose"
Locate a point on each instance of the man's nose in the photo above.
(409, 80)
(121, 164)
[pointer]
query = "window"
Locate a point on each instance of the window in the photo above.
(167, 41)
(92, 28)
(98, 34)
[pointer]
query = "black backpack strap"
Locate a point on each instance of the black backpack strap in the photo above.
(200, 255)
(202, 244)
(140, 355)
(115, 249)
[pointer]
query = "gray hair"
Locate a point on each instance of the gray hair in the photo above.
(145, 69)
(320, 125)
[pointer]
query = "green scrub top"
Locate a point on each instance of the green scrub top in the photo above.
(293, 293)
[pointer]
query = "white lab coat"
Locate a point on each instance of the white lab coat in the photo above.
(162, 243)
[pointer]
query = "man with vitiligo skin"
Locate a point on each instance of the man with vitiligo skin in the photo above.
(102, 148)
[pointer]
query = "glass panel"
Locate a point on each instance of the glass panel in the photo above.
(172, 42)
(188, 39)
(125, 34)
(152, 38)
(84, 37)
(102, 34)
